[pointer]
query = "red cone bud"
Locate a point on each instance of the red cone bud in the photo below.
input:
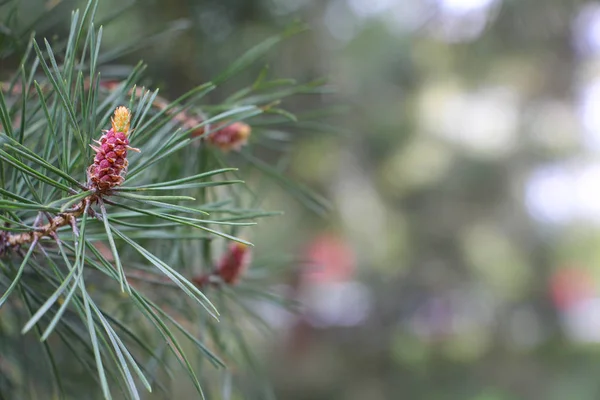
(233, 264)
(231, 137)
(110, 161)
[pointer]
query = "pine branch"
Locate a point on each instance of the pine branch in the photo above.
(224, 135)
(164, 224)
(106, 173)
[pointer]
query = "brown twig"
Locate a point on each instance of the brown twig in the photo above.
(8, 240)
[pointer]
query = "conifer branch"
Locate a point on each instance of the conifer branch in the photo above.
(224, 135)
(49, 112)
(8, 241)
(106, 172)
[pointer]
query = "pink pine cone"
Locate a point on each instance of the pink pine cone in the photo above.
(110, 160)
(110, 163)
(231, 137)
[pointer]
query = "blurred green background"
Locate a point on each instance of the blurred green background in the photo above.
(462, 256)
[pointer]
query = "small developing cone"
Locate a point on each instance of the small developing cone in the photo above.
(110, 162)
(234, 263)
(231, 137)
(230, 267)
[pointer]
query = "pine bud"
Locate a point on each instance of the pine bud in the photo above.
(233, 264)
(110, 162)
(231, 137)
(229, 269)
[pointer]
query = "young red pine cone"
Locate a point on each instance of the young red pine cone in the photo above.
(110, 162)
(233, 264)
(229, 268)
(231, 137)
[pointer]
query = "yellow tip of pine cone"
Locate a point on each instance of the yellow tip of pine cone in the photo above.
(243, 130)
(121, 120)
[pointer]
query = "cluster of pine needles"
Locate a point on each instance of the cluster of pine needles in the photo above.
(122, 287)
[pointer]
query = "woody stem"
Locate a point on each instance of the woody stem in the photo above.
(8, 240)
